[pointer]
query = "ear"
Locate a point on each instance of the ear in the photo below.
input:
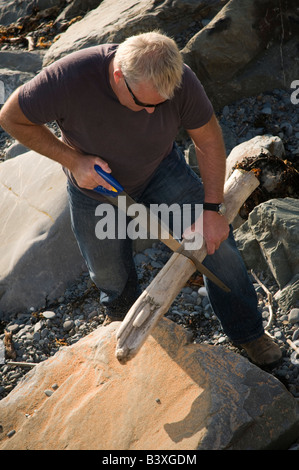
(118, 75)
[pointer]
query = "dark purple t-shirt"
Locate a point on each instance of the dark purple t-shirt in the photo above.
(76, 93)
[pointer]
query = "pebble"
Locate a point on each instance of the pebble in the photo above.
(295, 335)
(13, 328)
(293, 316)
(202, 291)
(49, 315)
(68, 325)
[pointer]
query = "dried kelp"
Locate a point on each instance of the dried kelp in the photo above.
(278, 179)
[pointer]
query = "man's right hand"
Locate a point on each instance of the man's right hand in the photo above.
(84, 173)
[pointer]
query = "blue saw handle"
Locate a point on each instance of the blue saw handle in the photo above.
(117, 188)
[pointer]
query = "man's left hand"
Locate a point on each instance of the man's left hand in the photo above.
(215, 230)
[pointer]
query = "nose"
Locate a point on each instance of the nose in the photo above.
(150, 110)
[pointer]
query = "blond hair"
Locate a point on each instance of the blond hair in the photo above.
(151, 57)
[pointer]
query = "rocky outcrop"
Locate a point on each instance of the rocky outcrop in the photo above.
(237, 52)
(174, 395)
(16, 68)
(246, 48)
(39, 254)
(237, 48)
(269, 240)
(114, 21)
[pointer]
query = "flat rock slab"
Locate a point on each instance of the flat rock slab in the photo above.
(38, 251)
(174, 395)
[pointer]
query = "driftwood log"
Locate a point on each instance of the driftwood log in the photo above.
(156, 299)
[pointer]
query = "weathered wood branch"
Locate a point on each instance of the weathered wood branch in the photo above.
(155, 301)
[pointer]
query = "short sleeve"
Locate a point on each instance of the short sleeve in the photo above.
(195, 107)
(42, 99)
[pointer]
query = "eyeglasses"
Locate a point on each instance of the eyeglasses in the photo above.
(139, 103)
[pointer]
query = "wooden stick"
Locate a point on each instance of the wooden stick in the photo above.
(21, 364)
(270, 300)
(293, 345)
(160, 294)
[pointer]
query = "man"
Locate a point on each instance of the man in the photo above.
(120, 107)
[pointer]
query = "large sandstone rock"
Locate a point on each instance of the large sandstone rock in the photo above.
(225, 30)
(113, 21)
(173, 395)
(248, 47)
(16, 68)
(269, 239)
(39, 254)
(10, 80)
(11, 11)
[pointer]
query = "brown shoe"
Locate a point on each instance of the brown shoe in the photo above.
(263, 351)
(109, 320)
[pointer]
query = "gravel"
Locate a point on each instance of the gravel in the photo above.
(39, 334)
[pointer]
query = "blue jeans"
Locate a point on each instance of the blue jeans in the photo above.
(111, 264)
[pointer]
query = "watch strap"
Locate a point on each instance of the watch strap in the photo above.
(209, 206)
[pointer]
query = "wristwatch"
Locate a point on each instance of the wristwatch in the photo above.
(220, 208)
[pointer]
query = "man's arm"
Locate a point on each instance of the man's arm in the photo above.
(42, 140)
(211, 156)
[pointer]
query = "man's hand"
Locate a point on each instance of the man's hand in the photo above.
(84, 173)
(215, 230)
(213, 227)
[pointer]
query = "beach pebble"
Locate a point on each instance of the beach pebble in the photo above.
(202, 291)
(293, 316)
(68, 325)
(49, 315)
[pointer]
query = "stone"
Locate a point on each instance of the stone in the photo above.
(22, 60)
(49, 314)
(14, 150)
(293, 316)
(68, 325)
(12, 79)
(218, 400)
(116, 20)
(225, 29)
(77, 8)
(268, 240)
(241, 51)
(11, 11)
(235, 54)
(268, 144)
(202, 291)
(39, 253)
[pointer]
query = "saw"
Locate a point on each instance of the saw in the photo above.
(163, 233)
